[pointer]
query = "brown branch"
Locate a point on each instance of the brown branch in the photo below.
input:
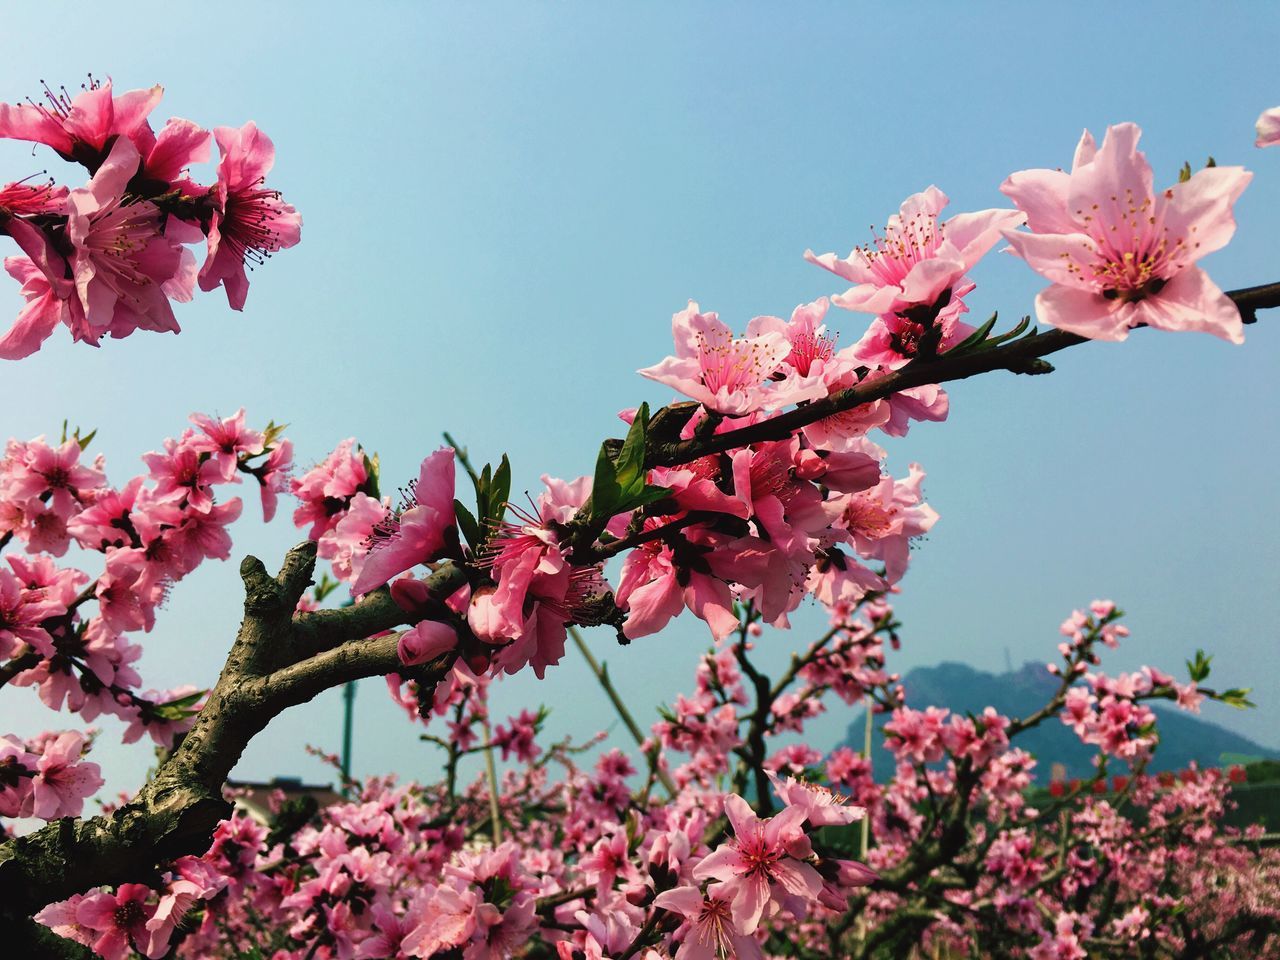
(175, 813)
(1017, 355)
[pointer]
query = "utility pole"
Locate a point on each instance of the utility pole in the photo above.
(349, 698)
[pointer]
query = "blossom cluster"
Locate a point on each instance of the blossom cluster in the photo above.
(109, 258)
(148, 534)
(764, 488)
(594, 864)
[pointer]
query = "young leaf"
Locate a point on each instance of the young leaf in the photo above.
(467, 524)
(629, 467)
(606, 494)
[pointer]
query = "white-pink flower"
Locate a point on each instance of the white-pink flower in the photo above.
(918, 259)
(727, 374)
(1119, 254)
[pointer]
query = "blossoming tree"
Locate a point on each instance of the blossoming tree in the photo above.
(765, 488)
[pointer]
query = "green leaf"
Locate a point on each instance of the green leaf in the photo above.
(467, 523)
(1010, 335)
(1185, 173)
(186, 701)
(629, 467)
(1237, 697)
(606, 494)
(1198, 669)
(273, 433)
(500, 491)
(975, 338)
(325, 587)
(649, 494)
(373, 467)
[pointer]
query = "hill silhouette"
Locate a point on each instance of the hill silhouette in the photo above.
(1184, 737)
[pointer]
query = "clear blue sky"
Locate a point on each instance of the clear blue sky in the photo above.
(504, 203)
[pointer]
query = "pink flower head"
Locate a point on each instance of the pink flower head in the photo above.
(711, 932)
(57, 473)
(813, 366)
(80, 129)
(726, 374)
(120, 920)
(273, 477)
(1268, 128)
(24, 199)
(659, 580)
(426, 641)
(225, 439)
(764, 861)
(250, 221)
(882, 520)
(21, 614)
(822, 807)
(1119, 254)
(918, 260)
(416, 533)
(325, 489)
(125, 268)
(62, 780)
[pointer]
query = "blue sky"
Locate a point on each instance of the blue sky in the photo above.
(504, 204)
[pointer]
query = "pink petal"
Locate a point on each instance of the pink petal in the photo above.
(1083, 312)
(1191, 301)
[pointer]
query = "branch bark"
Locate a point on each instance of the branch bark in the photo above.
(175, 813)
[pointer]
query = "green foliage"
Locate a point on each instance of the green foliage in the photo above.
(619, 484)
(493, 490)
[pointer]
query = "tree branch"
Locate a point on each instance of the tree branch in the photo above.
(175, 813)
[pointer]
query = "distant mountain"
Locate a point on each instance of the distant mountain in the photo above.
(1184, 737)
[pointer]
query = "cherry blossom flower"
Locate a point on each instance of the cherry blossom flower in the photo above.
(125, 269)
(711, 932)
(1268, 128)
(81, 128)
(1120, 254)
(120, 920)
(416, 533)
(62, 780)
(765, 861)
(822, 807)
(726, 374)
(918, 260)
(250, 222)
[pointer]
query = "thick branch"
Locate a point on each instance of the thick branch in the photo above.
(175, 813)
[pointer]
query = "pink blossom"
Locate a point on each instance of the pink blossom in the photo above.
(62, 780)
(120, 920)
(325, 489)
(764, 861)
(918, 260)
(425, 641)
(711, 932)
(1119, 254)
(659, 580)
(822, 807)
(346, 543)
(80, 129)
(1268, 128)
(43, 312)
(726, 374)
(416, 533)
(812, 366)
(882, 520)
(249, 222)
(273, 477)
(225, 439)
(125, 268)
